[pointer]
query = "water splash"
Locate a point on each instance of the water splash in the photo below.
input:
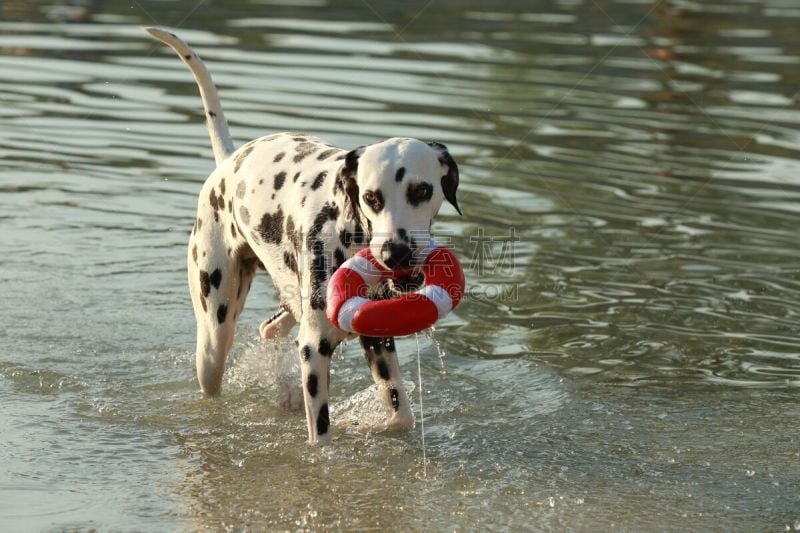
(430, 334)
(270, 365)
(421, 413)
(364, 410)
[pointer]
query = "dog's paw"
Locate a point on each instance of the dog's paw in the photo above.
(277, 327)
(400, 421)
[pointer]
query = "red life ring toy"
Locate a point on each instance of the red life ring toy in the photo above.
(349, 309)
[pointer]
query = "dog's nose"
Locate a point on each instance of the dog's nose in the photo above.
(396, 255)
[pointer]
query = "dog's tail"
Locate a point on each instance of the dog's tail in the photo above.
(221, 141)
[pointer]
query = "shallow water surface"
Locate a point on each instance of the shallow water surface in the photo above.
(628, 356)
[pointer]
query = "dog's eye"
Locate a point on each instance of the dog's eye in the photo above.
(421, 191)
(374, 199)
(418, 193)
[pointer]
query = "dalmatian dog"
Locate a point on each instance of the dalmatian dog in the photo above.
(297, 207)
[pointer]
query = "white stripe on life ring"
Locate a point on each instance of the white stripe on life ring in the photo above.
(367, 270)
(348, 311)
(439, 297)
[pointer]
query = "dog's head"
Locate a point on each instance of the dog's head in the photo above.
(399, 186)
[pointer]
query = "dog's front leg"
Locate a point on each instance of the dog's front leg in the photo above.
(316, 348)
(382, 359)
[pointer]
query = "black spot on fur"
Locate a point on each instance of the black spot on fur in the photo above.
(325, 347)
(222, 186)
(233, 229)
(358, 236)
(297, 175)
(215, 278)
(187, 57)
(388, 344)
(327, 153)
(323, 420)
(371, 345)
(241, 189)
(293, 234)
(237, 163)
(244, 215)
(222, 312)
(328, 212)
(306, 352)
(402, 234)
(212, 114)
(199, 224)
(383, 370)
(280, 177)
(194, 253)
(271, 227)
(346, 238)
(400, 173)
(395, 400)
(203, 303)
(278, 157)
(338, 256)
(319, 180)
(290, 261)
(304, 149)
(311, 385)
(319, 268)
(319, 278)
(212, 198)
(205, 283)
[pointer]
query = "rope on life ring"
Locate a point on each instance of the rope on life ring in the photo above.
(348, 307)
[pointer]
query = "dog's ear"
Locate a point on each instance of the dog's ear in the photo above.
(347, 179)
(450, 179)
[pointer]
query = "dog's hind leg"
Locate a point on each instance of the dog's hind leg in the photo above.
(219, 280)
(382, 359)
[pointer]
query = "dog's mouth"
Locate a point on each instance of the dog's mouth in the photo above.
(402, 283)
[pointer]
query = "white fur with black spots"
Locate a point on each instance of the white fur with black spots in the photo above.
(298, 207)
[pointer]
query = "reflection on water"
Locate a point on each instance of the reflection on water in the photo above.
(629, 353)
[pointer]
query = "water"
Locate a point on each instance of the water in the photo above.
(628, 356)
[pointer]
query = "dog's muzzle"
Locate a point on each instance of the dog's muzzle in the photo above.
(395, 255)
